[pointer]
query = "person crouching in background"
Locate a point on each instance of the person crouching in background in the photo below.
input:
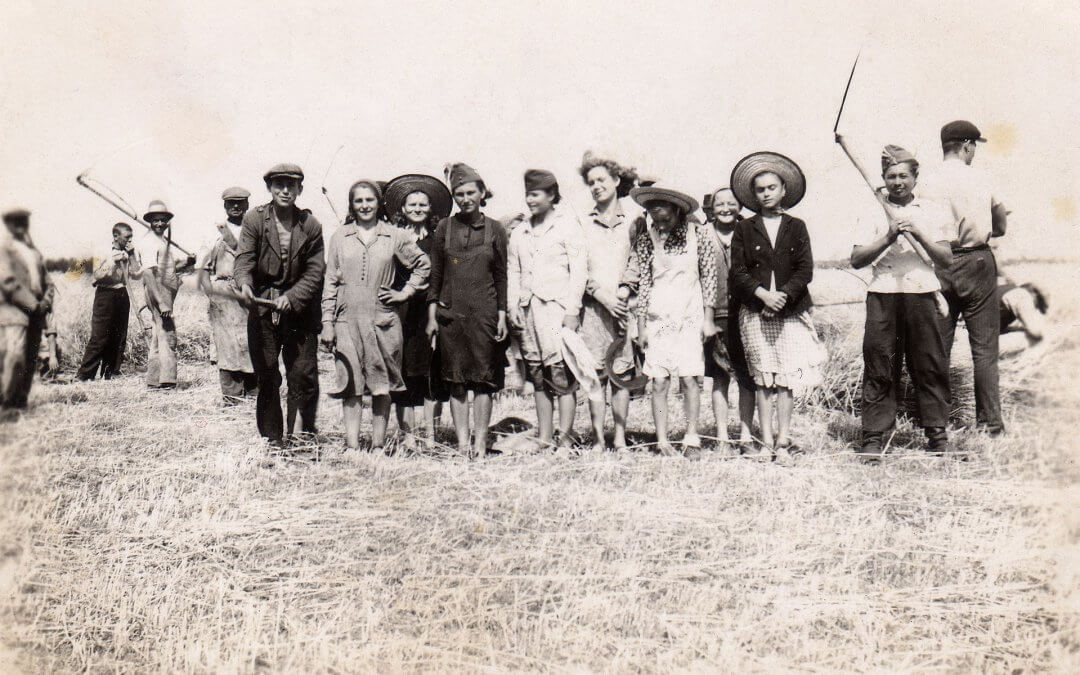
(26, 296)
(546, 276)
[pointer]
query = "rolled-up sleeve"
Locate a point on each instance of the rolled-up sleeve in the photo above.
(416, 261)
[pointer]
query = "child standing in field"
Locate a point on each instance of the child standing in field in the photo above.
(113, 272)
(26, 296)
(546, 272)
(771, 268)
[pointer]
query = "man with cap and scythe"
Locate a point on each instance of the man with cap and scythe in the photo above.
(26, 296)
(280, 259)
(467, 292)
(228, 318)
(160, 274)
(969, 284)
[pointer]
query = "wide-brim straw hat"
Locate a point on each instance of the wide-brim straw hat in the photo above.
(401, 187)
(644, 195)
(750, 167)
(633, 379)
(157, 208)
(341, 386)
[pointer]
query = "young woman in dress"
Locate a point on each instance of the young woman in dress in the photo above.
(771, 267)
(416, 203)
(467, 309)
(360, 321)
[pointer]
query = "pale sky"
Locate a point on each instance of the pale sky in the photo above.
(178, 100)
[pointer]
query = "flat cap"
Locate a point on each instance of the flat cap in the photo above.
(284, 169)
(961, 130)
(235, 193)
(15, 213)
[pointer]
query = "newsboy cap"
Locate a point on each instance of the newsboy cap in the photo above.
(234, 193)
(284, 169)
(961, 130)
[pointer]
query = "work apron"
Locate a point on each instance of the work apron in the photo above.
(674, 317)
(468, 313)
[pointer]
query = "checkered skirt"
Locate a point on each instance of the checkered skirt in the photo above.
(782, 351)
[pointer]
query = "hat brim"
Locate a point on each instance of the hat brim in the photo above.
(644, 195)
(146, 216)
(633, 379)
(270, 176)
(343, 381)
(401, 187)
(750, 167)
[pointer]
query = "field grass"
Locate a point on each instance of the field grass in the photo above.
(145, 531)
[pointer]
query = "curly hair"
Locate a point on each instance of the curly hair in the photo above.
(626, 175)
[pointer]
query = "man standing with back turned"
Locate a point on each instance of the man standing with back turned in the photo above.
(280, 258)
(969, 284)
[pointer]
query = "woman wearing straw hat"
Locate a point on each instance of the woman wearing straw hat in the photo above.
(360, 322)
(676, 260)
(416, 203)
(771, 267)
(468, 306)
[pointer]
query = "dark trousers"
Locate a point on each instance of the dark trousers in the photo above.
(970, 287)
(108, 334)
(298, 348)
(237, 384)
(903, 326)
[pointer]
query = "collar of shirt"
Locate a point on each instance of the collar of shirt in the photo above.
(620, 215)
(544, 227)
(382, 229)
(478, 225)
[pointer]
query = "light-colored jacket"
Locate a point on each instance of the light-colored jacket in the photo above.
(549, 261)
(19, 294)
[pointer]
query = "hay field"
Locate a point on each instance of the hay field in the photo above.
(144, 531)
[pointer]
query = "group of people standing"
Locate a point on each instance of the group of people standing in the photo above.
(421, 304)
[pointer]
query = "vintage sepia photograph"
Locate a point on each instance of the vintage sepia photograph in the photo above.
(616, 336)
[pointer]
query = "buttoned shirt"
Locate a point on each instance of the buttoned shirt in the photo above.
(608, 247)
(112, 273)
(899, 268)
(154, 252)
(547, 261)
(357, 269)
(965, 192)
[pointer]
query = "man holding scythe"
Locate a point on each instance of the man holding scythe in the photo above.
(160, 275)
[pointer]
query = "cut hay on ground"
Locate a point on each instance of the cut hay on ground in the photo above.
(148, 533)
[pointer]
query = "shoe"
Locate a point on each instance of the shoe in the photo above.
(871, 452)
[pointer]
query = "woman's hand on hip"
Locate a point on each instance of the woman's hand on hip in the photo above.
(389, 296)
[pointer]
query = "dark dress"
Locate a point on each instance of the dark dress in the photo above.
(416, 352)
(468, 280)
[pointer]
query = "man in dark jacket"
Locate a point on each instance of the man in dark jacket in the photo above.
(280, 259)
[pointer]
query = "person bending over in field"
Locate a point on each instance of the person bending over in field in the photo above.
(902, 322)
(280, 261)
(1023, 309)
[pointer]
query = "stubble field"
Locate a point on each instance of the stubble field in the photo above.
(145, 531)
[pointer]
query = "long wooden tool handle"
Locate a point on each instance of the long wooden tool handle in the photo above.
(81, 180)
(239, 297)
